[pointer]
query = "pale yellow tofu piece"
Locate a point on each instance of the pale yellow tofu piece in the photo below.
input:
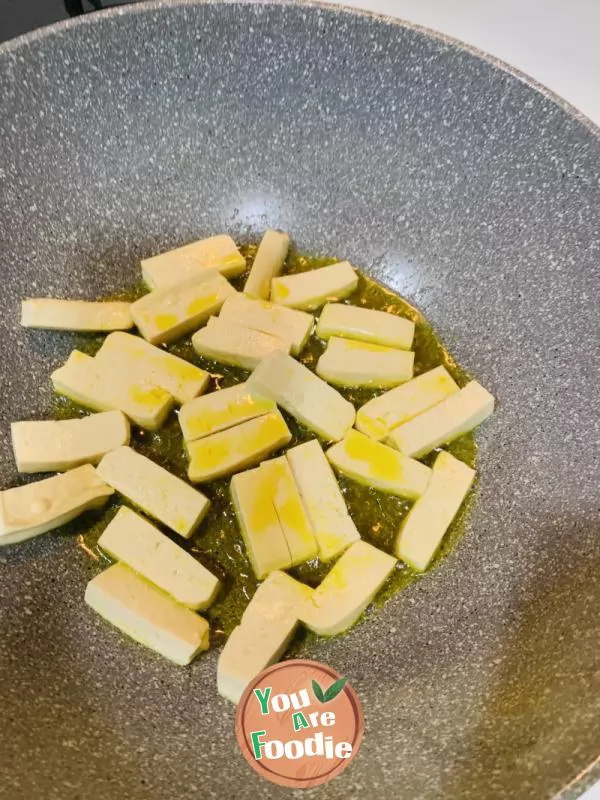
(216, 252)
(347, 590)
(347, 362)
(27, 511)
(232, 344)
(76, 315)
(312, 289)
(222, 409)
(266, 629)
(262, 531)
(365, 325)
(381, 414)
(332, 526)
(245, 656)
(304, 395)
(156, 491)
(98, 386)
(56, 446)
(425, 525)
(146, 614)
(268, 263)
(446, 421)
(287, 324)
(167, 314)
(136, 542)
(374, 464)
(290, 510)
(136, 357)
(236, 448)
(279, 597)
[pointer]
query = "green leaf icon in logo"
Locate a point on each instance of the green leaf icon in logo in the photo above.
(318, 692)
(331, 693)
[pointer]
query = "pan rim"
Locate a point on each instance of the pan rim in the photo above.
(13, 45)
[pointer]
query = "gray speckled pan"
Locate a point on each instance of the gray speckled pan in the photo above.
(443, 175)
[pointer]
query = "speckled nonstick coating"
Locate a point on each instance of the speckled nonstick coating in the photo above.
(456, 184)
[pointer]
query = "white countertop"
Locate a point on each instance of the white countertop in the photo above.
(554, 41)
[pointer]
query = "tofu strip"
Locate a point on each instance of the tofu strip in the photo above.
(383, 413)
(27, 511)
(228, 343)
(101, 387)
(146, 614)
(236, 448)
(304, 395)
(290, 510)
(56, 446)
(425, 525)
(76, 315)
(268, 263)
(311, 289)
(215, 253)
(133, 540)
(132, 356)
(275, 527)
(347, 362)
(167, 314)
(365, 325)
(374, 464)
(155, 490)
(446, 421)
(332, 526)
(287, 324)
(261, 528)
(222, 409)
(347, 589)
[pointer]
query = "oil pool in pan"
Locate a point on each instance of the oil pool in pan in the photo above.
(218, 544)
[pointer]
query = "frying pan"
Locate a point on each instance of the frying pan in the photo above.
(452, 180)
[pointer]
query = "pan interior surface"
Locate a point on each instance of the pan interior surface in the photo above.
(439, 174)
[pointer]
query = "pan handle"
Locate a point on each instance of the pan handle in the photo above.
(75, 8)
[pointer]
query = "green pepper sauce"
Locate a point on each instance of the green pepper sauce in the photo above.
(218, 544)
